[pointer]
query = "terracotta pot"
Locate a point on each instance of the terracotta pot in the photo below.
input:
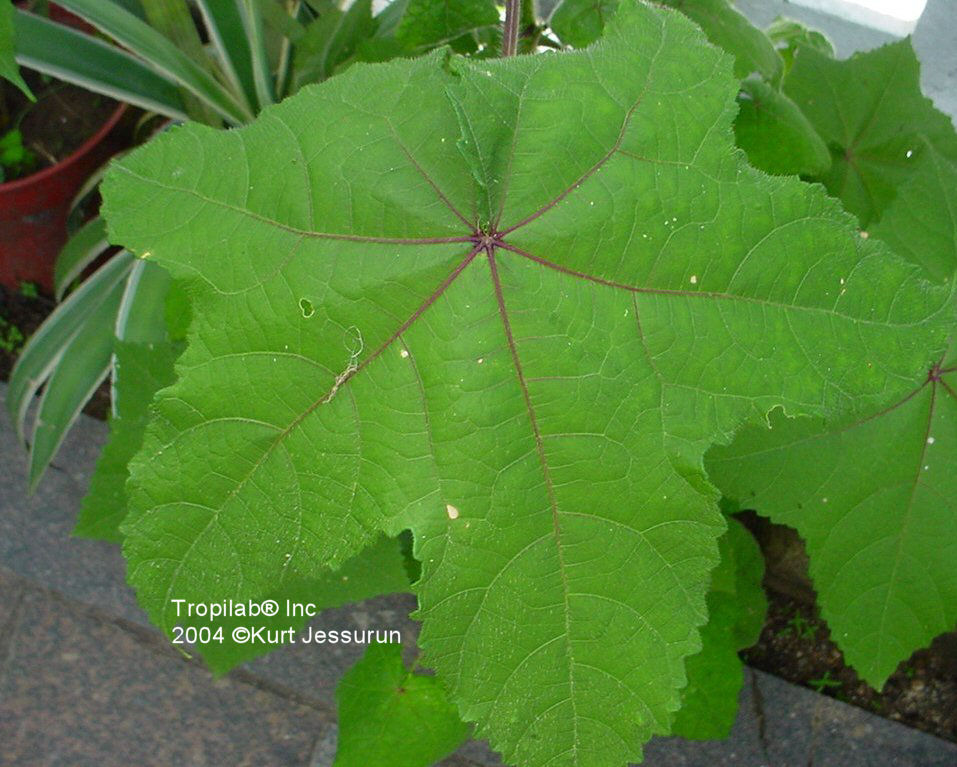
(34, 210)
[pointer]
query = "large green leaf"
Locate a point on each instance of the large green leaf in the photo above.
(390, 715)
(507, 305)
(8, 63)
(874, 499)
(870, 112)
(736, 609)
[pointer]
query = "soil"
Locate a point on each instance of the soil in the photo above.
(63, 117)
(20, 314)
(795, 644)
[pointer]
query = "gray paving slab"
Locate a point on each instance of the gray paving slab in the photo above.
(79, 691)
(35, 530)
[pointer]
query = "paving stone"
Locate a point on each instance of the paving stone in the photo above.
(79, 691)
(11, 594)
(804, 728)
(35, 530)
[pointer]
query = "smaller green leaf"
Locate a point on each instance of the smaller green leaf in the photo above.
(873, 499)
(79, 370)
(46, 347)
(140, 370)
(788, 35)
(8, 62)
(736, 610)
(161, 54)
(873, 118)
(379, 49)
(391, 715)
(172, 18)
(330, 40)
(256, 34)
(91, 63)
(140, 318)
(227, 36)
(81, 250)
(728, 29)
(921, 225)
(430, 22)
(775, 134)
(580, 22)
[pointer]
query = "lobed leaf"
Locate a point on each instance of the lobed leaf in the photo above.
(874, 119)
(508, 305)
(874, 498)
(391, 715)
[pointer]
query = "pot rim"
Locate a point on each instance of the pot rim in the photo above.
(85, 148)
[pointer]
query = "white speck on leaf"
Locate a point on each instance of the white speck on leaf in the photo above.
(451, 511)
(404, 353)
(930, 440)
(694, 279)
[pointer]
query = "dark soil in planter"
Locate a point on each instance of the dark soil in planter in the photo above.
(795, 644)
(20, 315)
(63, 117)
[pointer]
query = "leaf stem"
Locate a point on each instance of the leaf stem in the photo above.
(513, 14)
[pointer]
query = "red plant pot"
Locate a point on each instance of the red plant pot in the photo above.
(34, 210)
